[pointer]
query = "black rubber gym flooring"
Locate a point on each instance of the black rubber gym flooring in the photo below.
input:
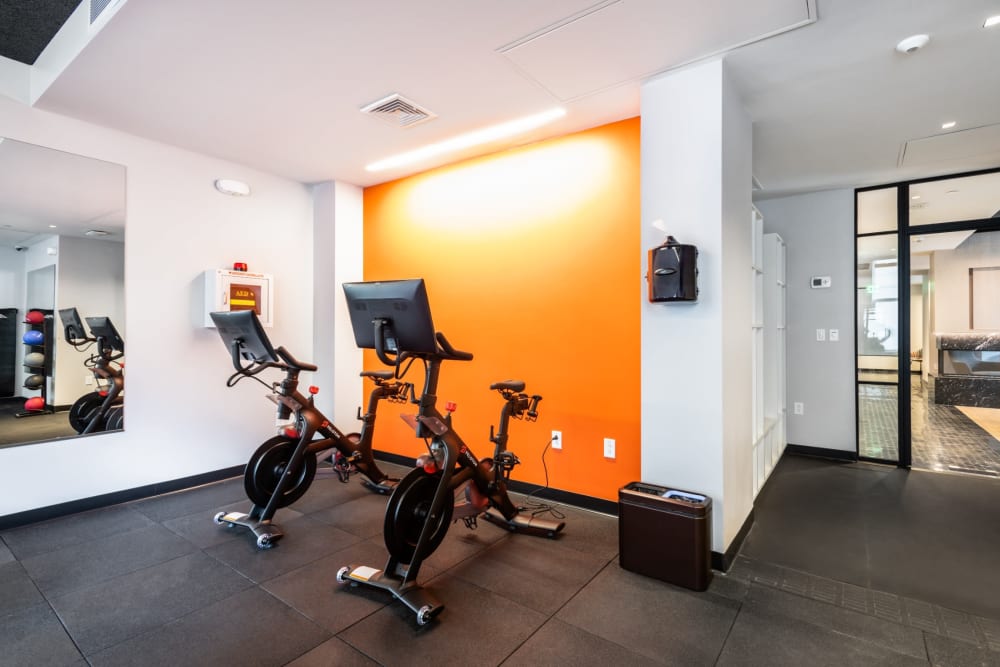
(17, 430)
(847, 564)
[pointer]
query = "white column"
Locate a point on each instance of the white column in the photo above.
(338, 257)
(696, 358)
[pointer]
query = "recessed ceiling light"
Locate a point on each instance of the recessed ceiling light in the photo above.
(52, 226)
(947, 126)
(485, 135)
(992, 21)
(912, 43)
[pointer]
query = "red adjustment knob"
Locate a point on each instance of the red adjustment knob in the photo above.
(430, 468)
(291, 433)
(450, 406)
(313, 389)
(103, 392)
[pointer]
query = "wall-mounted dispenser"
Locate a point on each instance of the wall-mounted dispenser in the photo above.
(673, 272)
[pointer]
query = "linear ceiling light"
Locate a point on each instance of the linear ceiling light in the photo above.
(992, 21)
(474, 138)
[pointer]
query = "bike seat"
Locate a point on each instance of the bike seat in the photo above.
(510, 385)
(381, 375)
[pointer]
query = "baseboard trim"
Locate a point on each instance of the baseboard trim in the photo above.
(556, 495)
(117, 497)
(821, 453)
(82, 505)
(723, 561)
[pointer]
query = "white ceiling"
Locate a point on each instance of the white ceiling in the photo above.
(278, 85)
(45, 191)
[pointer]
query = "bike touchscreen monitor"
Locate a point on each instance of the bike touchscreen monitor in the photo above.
(402, 305)
(101, 327)
(244, 327)
(72, 324)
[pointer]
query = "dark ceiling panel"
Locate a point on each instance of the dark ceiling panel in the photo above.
(27, 26)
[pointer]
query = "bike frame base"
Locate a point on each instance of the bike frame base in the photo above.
(529, 525)
(267, 533)
(415, 597)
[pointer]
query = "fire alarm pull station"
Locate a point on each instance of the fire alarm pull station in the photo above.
(673, 272)
(227, 290)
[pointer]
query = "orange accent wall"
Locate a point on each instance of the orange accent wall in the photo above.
(531, 259)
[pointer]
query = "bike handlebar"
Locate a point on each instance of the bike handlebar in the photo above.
(293, 362)
(448, 352)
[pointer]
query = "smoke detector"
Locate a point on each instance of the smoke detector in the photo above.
(913, 43)
(399, 111)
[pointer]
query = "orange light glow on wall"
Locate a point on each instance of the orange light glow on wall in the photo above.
(532, 263)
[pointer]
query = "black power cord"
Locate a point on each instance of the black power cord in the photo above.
(533, 505)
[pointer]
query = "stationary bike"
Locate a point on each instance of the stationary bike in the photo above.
(103, 409)
(420, 509)
(517, 405)
(281, 470)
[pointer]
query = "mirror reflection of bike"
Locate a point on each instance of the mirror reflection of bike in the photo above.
(393, 318)
(282, 469)
(104, 408)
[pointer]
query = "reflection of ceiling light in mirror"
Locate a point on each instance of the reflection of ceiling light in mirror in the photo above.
(230, 186)
(947, 126)
(915, 197)
(96, 232)
(469, 139)
(992, 21)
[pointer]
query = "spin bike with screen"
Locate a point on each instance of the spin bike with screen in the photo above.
(102, 409)
(394, 319)
(283, 468)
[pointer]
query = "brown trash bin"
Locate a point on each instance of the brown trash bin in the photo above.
(665, 533)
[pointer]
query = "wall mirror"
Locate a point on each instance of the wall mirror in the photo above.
(62, 246)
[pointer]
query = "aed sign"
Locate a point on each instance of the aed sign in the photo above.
(244, 297)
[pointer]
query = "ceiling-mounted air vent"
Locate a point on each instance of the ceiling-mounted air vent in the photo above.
(399, 111)
(96, 232)
(97, 8)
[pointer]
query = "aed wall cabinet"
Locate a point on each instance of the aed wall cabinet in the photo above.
(227, 290)
(673, 272)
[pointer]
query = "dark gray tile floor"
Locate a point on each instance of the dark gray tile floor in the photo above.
(156, 582)
(943, 439)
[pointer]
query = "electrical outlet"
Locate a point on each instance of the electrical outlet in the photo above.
(820, 335)
(834, 335)
(88, 379)
(799, 408)
(557, 440)
(609, 448)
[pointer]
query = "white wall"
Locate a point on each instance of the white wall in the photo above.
(181, 419)
(696, 378)
(818, 230)
(92, 280)
(951, 279)
(11, 278)
(338, 258)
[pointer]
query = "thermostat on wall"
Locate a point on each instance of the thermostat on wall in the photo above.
(819, 282)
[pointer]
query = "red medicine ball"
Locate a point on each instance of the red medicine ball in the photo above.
(34, 317)
(35, 404)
